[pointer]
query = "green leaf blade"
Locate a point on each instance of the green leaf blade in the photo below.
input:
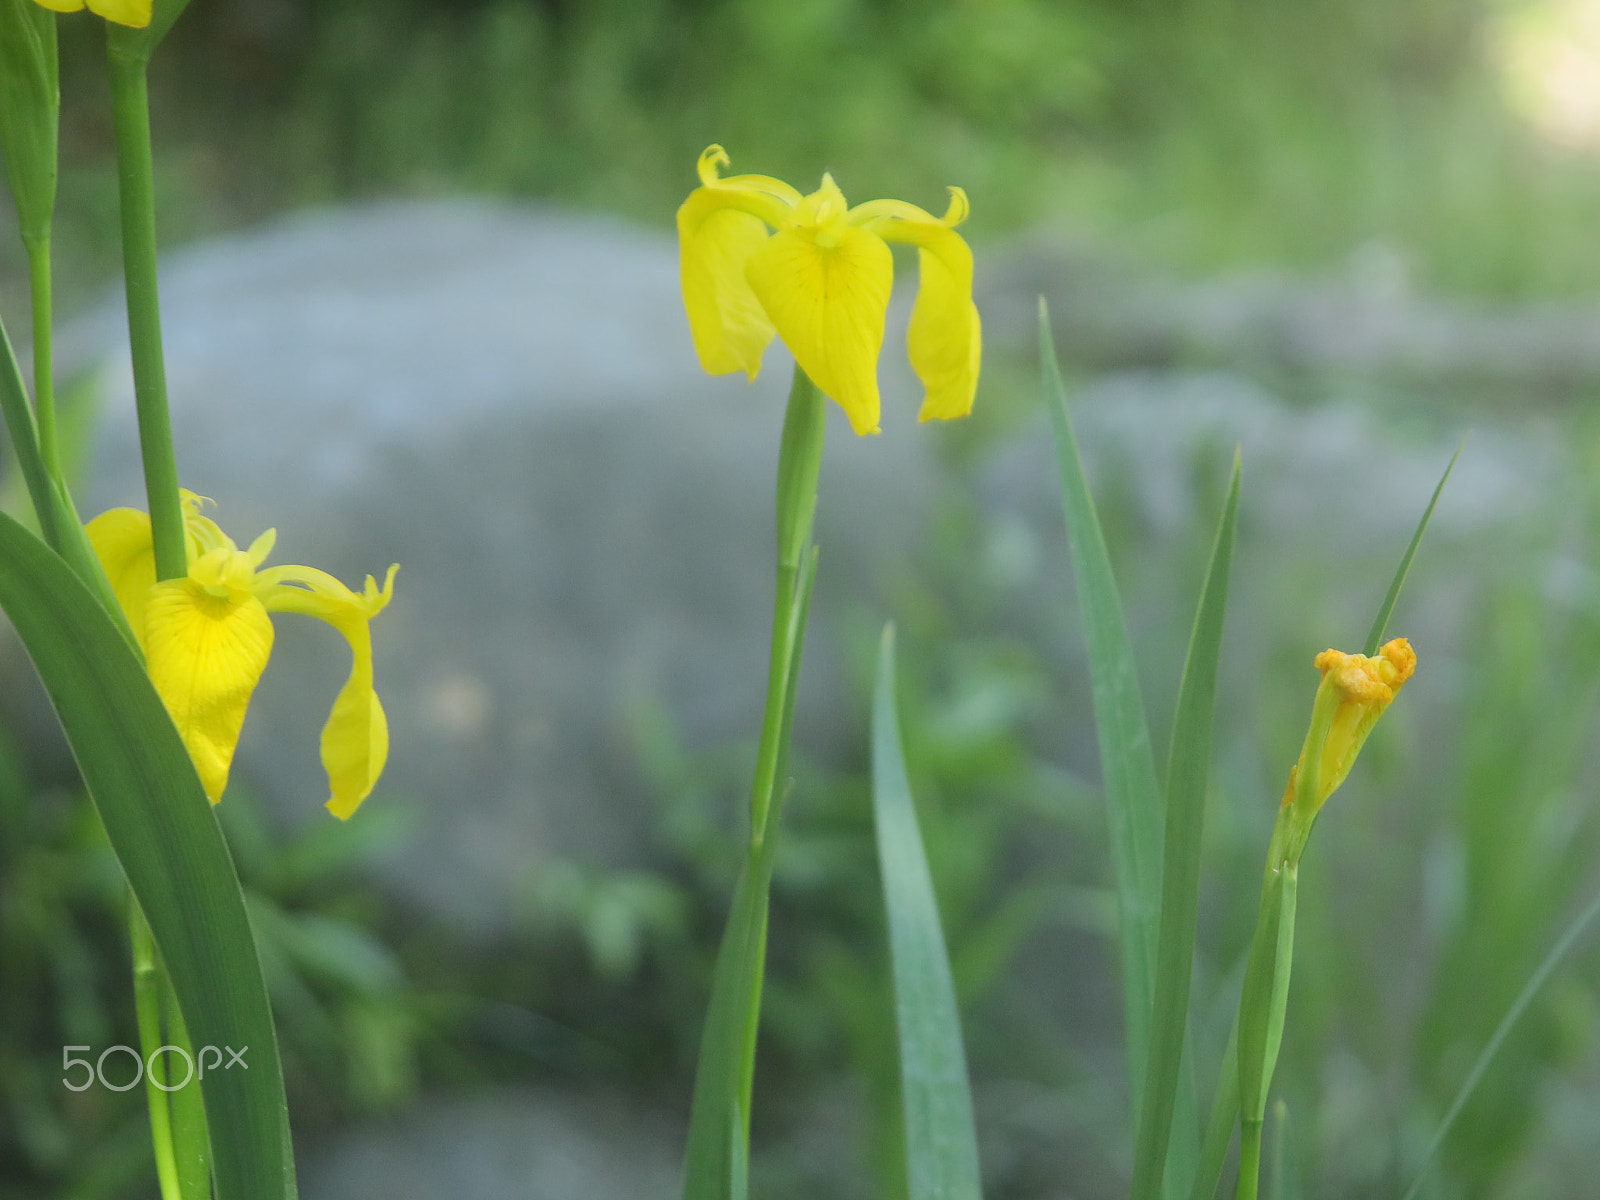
(1187, 775)
(941, 1135)
(1386, 609)
(1133, 797)
(164, 833)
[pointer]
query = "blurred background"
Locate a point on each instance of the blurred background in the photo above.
(421, 307)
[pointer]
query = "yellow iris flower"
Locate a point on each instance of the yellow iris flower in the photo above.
(124, 12)
(206, 638)
(1354, 692)
(821, 282)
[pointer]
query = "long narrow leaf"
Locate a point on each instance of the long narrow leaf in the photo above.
(1220, 1124)
(167, 839)
(1133, 800)
(1513, 1014)
(941, 1139)
(1188, 768)
(1386, 609)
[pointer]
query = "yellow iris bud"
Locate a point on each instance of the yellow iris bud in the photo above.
(1353, 694)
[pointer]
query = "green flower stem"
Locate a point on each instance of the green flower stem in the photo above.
(191, 1141)
(1264, 1003)
(1249, 1160)
(799, 463)
(44, 392)
(148, 985)
(130, 110)
(716, 1162)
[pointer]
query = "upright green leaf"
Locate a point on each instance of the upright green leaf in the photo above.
(1386, 609)
(1133, 799)
(1219, 1125)
(167, 839)
(1518, 1006)
(941, 1139)
(1188, 770)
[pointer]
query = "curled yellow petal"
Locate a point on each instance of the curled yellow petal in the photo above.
(826, 290)
(355, 741)
(206, 646)
(945, 341)
(60, 5)
(121, 541)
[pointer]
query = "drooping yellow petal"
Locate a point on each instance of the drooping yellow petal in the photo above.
(826, 290)
(60, 5)
(945, 341)
(124, 12)
(355, 741)
(715, 241)
(121, 541)
(206, 645)
(720, 225)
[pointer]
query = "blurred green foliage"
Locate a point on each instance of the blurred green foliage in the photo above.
(1203, 133)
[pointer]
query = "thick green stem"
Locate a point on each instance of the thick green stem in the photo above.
(191, 1140)
(147, 987)
(130, 110)
(1249, 1160)
(799, 464)
(177, 1111)
(44, 392)
(719, 1124)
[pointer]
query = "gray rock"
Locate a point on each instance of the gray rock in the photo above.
(506, 402)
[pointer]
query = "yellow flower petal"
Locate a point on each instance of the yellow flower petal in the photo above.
(205, 647)
(826, 290)
(124, 12)
(945, 341)
(121, 541)
(60, 5)
(355, 741)
(715, 241)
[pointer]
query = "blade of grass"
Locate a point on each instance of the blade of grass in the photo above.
(1133, 804)
(1386, 609)
(1518, 1006)
(1188, 769)
(168, 842)
(941, 1138)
